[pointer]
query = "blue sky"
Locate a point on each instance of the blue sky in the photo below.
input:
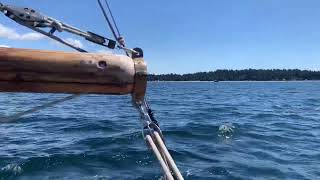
(191, 36)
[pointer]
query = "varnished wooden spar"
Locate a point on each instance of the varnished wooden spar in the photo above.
(25, 70)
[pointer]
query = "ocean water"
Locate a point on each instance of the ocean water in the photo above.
(225, 130)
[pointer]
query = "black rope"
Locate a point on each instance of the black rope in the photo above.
(114, 22)
(108, 20)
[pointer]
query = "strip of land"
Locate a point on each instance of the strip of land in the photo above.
(241, 75)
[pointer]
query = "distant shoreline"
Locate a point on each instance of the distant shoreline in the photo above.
(255, 75)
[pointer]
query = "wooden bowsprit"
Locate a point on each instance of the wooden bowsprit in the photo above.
(41, 71)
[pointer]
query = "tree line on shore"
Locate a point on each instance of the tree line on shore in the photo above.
(241, 75)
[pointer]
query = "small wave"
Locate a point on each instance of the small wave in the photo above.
(99, 177)
(12, 168)
(226, 130)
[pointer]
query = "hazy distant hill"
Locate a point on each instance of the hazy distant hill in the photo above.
(241, 75)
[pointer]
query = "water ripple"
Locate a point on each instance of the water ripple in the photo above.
(227, 130)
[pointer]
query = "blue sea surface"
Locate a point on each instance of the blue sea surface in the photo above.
(225, 130)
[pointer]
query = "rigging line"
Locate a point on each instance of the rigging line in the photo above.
(157, 153)
(108, 20)
(17, 116)
(53, 37)
(114, 22)
(168, 156)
